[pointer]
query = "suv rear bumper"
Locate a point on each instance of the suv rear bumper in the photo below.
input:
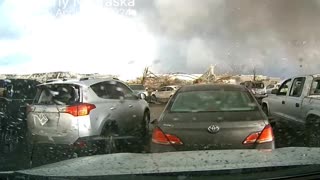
(67, 139)
(81, 146)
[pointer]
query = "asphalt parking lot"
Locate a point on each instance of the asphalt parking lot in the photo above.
(156, 110)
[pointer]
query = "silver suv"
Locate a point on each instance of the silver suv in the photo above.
(79, 112)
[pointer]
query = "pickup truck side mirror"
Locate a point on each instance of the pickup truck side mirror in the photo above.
(274, 91)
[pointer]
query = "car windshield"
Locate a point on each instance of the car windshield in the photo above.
(110, 87)
(213, 101)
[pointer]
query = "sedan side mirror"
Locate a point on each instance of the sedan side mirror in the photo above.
(274, 91)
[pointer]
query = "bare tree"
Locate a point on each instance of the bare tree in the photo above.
(254, 73)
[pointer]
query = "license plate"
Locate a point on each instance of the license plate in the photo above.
(43, 119)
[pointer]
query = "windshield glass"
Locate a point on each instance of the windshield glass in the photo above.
(143, 84)
(206, 101)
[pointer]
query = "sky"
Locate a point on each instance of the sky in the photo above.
(275, 37)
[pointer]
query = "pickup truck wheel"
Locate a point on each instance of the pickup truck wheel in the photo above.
(312, 132)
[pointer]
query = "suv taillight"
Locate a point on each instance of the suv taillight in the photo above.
(80, 109)
(266, 135)
(159, 137)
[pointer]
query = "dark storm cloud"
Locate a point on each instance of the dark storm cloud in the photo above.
(273, 36)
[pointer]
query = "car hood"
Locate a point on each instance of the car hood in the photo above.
(192, 161)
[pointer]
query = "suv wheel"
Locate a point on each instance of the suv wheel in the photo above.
(145, 125)
(144, 132)
(312, 132)
(109, 145)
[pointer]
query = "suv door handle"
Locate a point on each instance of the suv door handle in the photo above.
(283, 102)
(130, 105)
(297, 105)
(112, 108)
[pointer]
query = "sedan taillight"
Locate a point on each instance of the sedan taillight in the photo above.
(159, 137)
(266, 135)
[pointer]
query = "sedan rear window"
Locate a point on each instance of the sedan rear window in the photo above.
(213, 101)
(60, 94)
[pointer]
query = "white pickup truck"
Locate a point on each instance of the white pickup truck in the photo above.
(297, 101)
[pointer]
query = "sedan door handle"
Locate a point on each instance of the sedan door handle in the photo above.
(283, 102)
(112, 108)
(297, 105)
(130, 106)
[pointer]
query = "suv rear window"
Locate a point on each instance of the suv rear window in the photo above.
(213, 101)
(59, 94)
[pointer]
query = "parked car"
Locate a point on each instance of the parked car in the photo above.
(271, 87)
(139, 88)
(208, 117)
(297, 104)
(257, 88)
(15, 94)
(165, 92)
(81, 113)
